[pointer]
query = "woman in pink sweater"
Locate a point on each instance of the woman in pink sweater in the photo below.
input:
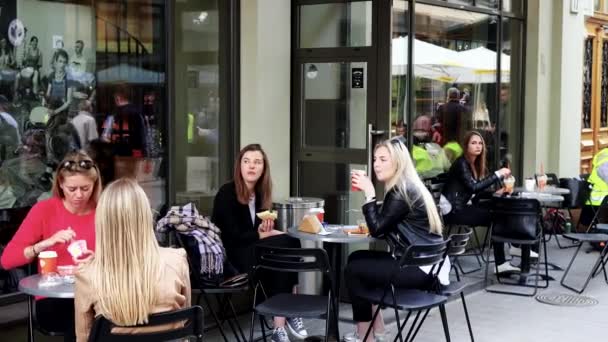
(51, 225)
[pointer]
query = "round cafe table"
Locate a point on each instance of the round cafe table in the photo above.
(31, 286)
(333, 243)
(552, 190)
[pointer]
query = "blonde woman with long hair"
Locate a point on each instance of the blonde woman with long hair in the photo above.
(130, 276)
(408, 213)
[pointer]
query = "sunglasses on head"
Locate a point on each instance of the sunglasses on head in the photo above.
(397, 140)
(74, 165)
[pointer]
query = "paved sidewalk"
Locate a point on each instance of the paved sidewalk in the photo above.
(495, 317)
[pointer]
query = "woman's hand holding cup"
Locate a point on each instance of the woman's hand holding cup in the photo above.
(266, 225)
(360, 181)
(505, 172)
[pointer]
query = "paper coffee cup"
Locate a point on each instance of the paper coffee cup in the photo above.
(529, 184)
(48, 262)
(352, 172)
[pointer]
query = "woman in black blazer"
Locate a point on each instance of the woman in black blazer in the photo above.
(234, 212)
(467, 178)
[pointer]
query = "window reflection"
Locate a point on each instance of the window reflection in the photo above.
(81, 75)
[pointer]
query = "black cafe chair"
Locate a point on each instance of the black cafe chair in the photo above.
(288, 304)
(600, 262)
(518, 221)
(222, 294)
(456, 248)
(191, 317)
(412, 300)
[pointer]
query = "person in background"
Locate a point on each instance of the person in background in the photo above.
(599, 182)
(408, 214)
(234, 212)
(78, 62)
(467, 179)
(27, 81)
(10, 139)
(85, 124)
(430, 159)
(130, 276)
(51, 225)
(60, 88)
(452, 116)
(127, 129)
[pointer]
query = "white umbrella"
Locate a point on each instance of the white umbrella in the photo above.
(480, 66)
(129, 74)
(430, 61)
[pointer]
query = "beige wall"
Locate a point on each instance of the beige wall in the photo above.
(553, 94)
(265, 84)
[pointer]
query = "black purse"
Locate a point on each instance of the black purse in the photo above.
(579, 192)
(516, 218)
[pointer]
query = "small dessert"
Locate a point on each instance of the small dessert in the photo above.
(77, 248)
(267, 215)
(310, 224)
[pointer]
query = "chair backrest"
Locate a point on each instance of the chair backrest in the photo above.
(458, 242)
(191, 317)
(516, 218)
(424, 254)
(552, 179)
(579, 192)
(292, 259)
(193, 256)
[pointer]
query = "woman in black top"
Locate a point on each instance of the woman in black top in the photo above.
(467, 178)
(408, 215)
(234, 212)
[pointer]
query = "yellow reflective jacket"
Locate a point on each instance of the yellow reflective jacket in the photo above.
(600, 188)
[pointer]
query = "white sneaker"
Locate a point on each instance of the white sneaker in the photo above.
(507, 267)
(381, 337)
(279, 335)
(354, 337)
(295, 325)
(516, 251)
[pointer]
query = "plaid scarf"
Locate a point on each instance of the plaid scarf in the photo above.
(186, 220)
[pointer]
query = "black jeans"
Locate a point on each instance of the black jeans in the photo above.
(367, 270)
(56, 315)
(243, 259)
(475, 216)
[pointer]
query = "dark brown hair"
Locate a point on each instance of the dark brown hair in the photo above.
(62, 172)
(263, 187)
(479, 165)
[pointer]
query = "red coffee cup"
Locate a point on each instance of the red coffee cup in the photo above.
(359, 172)
(48, 262)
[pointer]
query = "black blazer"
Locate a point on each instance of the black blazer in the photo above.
(396, 220)
(461, 185)
(234, 219)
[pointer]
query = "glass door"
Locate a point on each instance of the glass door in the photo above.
(335, 104)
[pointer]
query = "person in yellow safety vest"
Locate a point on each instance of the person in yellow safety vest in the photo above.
(599, 181)
(422, 160)
(599, 178)
(190, 132)
(453, 150)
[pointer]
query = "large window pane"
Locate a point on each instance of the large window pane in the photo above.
(336, 25)
(511, 92)
(399, 59)
(197, 103)
(82, 75)
(455, 64)
(335, 104)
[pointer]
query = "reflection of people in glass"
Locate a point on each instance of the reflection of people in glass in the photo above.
(467, 179)
(9, 131)
(78, 62)
(7, 65)
(7, 59)
(85, 124)
(127, 130)
(429, 158)
(26, 82)
(452, 116)
(59, 89)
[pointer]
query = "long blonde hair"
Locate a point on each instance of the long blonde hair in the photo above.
(405, 177)
(127, 264)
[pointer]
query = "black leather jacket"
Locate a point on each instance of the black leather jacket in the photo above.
(461, 185)
(398, 221)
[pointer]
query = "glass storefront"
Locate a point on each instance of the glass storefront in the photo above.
(456, 83)
(146, 87)
(82, 75)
